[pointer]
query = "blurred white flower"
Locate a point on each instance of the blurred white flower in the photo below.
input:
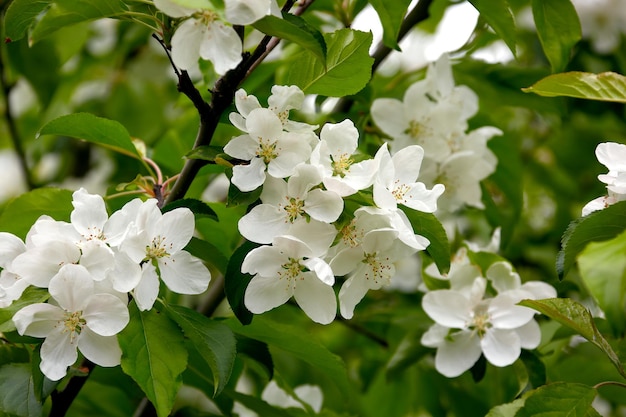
(612, 155)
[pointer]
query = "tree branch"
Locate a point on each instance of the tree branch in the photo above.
(62, 400)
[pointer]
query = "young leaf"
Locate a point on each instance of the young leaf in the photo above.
(17, 396)
(154, 355)
(236, 282)
(575, 316)
(558, 28)
(20, 15)
(559, 399)
(348, 65)
(391, 14)
(427, 225)
(498, 15)
(31, 295)
(105, 132)
(295, 29)
(597, 226)
(602, 266)
(214, 342)
(21, 212)
(208, 253)
(298, 342)
(63, 13)
(606, 86)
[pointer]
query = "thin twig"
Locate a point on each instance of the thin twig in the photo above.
(62, 400)
(14, 134)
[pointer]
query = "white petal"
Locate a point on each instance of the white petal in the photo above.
(176, 227)
(266, 261)
(529, 335)
(503, 277)
(418, 197)
(321, 270)
(501, 347)
(246, 12)
(249, 177)
(186, 43)
(388, 114)
(126, 273)
(506, 315)
(263, 223)
(407, 163)
(39, 264)
(351, 293)
(435, 336)
(316, 299)
(172, 9)
(101, 350)
(38, 320)
(285, 97)
(266, 293)
(97, 258)
(323, 205)
(184, 273)
(147, 290)
(448, 308)
(458, 355)
(346, 261)
(58, 352)
(242, 147)
(245, 103)
(89, 214)
(71, 287)
(10, 247)
(222, 46)
(612, 155)
(342, 138)
(105, 314)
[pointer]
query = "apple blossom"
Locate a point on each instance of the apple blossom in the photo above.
(11, 284)
(611, 155)
(80, 319)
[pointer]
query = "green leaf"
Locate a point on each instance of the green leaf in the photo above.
(207, 153)
(198, 207)
(348, 65)
(559, 399)
(31, 295)
(602, 267)
(427, 225)
(15, 354)
(606, 86)
(558, 28)
(498, 15)
(575, 316)
(208, 253)
(17, 396)
(20, 15)
(597, 226)
(391, 14)
(63, 13)
(21, 212)
(214, 341)
(506, 410)
(236, 282)
(258, 405)
(298, 342)
(154, 355)
(294, 29)
(94, 129)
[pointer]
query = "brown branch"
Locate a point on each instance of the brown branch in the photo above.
(62, 400)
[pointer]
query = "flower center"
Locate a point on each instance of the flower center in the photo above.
(481, 321)
(206, 17)
(294, 209)
(415, 129)
(341, 165)
(94, 233)
(158, 248)
(73, 323)
(266, 150)
(399, 191)
(350, 235)
(379, 271)
(291, 270)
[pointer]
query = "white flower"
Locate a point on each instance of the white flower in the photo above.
(82, 320)
(204, 35)
(334, 156)
(602, 22)
(612, 155)
(286, 203)
(395, 182)
(432, 112)
(266, 146)
(292, 267)
(310, 394)
(158, 241)
(488, 326)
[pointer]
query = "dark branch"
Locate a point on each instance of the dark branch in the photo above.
(62, 400)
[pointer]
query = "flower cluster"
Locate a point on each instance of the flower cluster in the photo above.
(89, 266)
(469, 321)
(602, 23)
(434, 114)
(204, 34)
(613, 156)
(308, 234)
